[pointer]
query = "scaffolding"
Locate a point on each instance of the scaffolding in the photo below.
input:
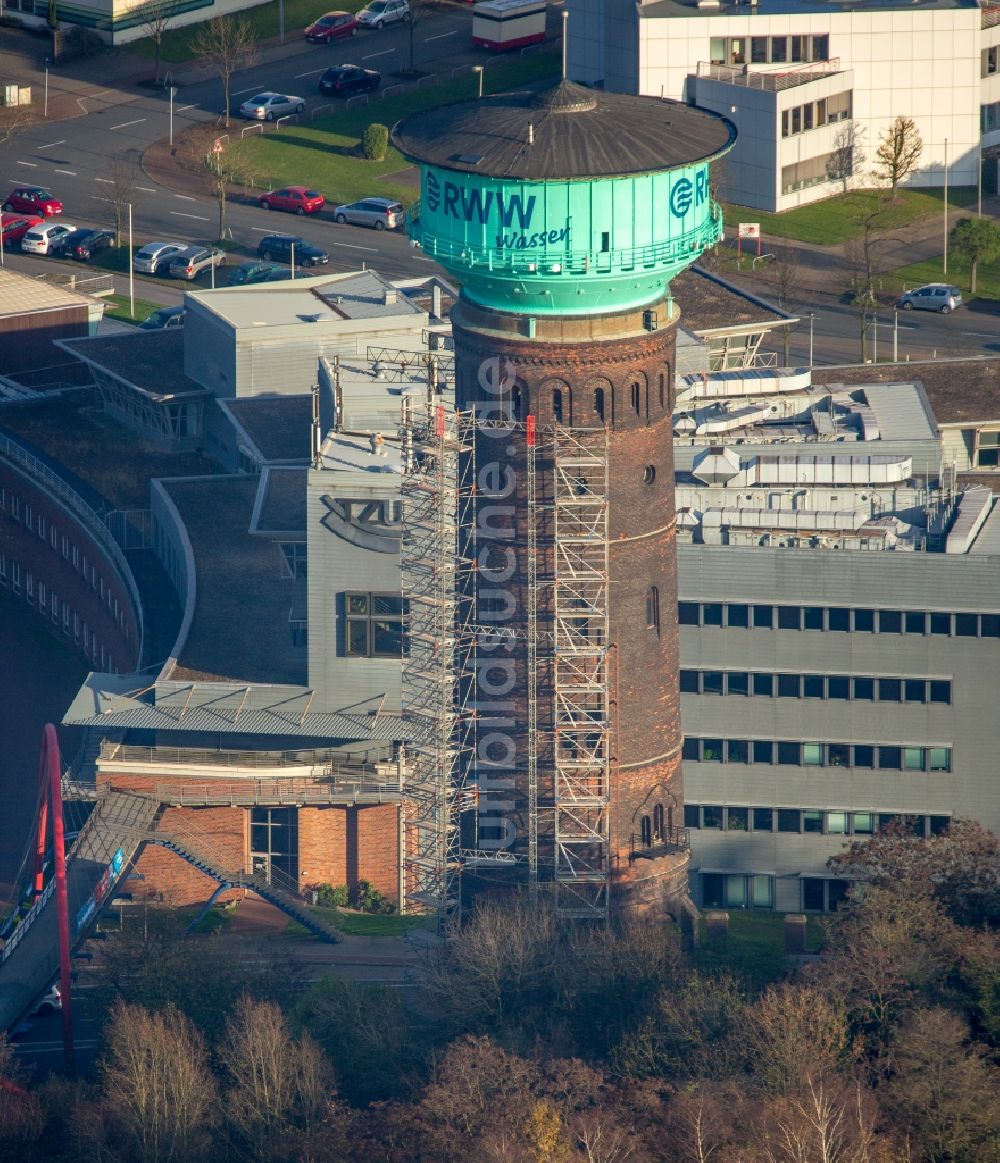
(566, 637)
(439, 466)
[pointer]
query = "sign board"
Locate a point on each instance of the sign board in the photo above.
(748, 230)
(218, 147)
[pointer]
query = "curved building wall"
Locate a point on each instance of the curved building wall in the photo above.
(57, 556)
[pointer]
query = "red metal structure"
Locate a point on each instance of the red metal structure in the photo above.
(50, 787)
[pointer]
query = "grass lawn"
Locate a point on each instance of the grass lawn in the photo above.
(835, 220)
(915, 275)
(755, 947)
(361, 924)
(299, 14)
(118, 308)
(322, 152)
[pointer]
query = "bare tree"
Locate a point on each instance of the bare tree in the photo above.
(418, 9)
(785, 275)
(156, 17)
(227, 163)
(862, 253)
(158, 1083)
(14, 118)
(898, 152)
(123, 175)
(847, 159)
(226, 45)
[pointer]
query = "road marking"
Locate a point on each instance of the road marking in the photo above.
(34, 165)
(105, 181)
(183, 107)
(372, 55)
(185, 197)
(178, 214)
(347, 246)
(980, 334)
(126, 124)
(261, 230)
(72, 173)
(440, 36)
(146, 189)
(242, 91)
(53, 144)
(311, 73)
(98, 198)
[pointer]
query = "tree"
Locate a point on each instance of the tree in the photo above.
(862, 254)
(898, 152)
(158, 1084)
(156, 19)
(222, 167)
(226, 45)
(978, 240)
(847, 158)
(14, 118)
(785, 275)
(123, 175)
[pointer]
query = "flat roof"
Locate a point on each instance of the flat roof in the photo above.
(277, 426)
(239, 632)
(152, 361)
(317, 300)
(575, 133)
(960, 391)
(281, 501)
(22, 294)
(710, 303)
(674, 9)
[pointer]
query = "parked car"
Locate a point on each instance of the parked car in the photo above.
(288, 248)
(381, 12)
(46, 237)
(49, 1003)
(163, 319)
(13, 227)
(268, 106)
(255, 272)
(332, 26)
(343, 80)
(193, 260)
(33, 200)
(380, 213)
(155, 257)
(84, 244)
(295, 199)
(933, 297)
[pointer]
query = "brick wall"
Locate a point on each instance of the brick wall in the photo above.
(376, 847)
(221, 832)
(323, 846)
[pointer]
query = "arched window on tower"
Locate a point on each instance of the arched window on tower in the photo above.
(658, 833)
(557, 405)
(635, 395)
(646, 832)
(515, 402)
(599, 403)
(663, 390)
(653, 609)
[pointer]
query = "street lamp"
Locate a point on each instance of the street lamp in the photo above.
(480, 70)
(173, 94)
(812, 319)
(895, 335)
(281, 21)
(131, 272)
(945, 271)
(46, 111)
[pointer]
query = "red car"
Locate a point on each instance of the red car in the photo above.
(33, 200)
(16, 226)
(296, 199)
(332, 26)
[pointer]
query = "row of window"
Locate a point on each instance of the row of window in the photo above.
(47, 531)
(37, 595)
(800, 820)
(860, 688)
(838, 619)
(740, 890)
(815, 114)
(769, 50)
(796, 753)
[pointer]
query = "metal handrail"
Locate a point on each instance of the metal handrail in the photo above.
(93, 520)
(311, 757)
(774, 82)
(673, 840)
(289, 791)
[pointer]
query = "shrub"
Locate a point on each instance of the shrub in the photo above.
(368, 899)
(375, 142)
(331, 897)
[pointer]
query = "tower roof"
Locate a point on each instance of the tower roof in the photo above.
(561, 130)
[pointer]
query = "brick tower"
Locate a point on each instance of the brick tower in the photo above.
(563, 213)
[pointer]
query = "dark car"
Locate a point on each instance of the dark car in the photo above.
(84, 244)
(287, 248)
(255, 272)
(343, 80)
(332, 26)
(163, 319)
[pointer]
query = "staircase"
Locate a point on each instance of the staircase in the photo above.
(283, 896)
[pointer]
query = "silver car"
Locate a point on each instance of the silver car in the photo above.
(154, 256)
(941, 297)
(192, 260)
(268, 106)
(379, 213)
(381, 12)
(46, 237)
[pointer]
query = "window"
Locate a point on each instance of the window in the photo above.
(914, 691)
(939, 759)
(738, 683)
(864, 689)
(653, 609)
(711, 682)
(821, 47)
(789, 618)
(763, 617)
(913, 759)
(864, 621)
(966, 625)
(890, 758)
(812, 821)
(763, 685)
(691, 816)
(838, 755)
(890, 622)
(274, 841)
(373, 625)
(838, 619)
(658, 831)
(635, 393)
(812, 754)
(789, 820)
(812, 686)
(689, 682)
(599, 403)
(838, 686)
(789, 754)
(738, 820)
(940, 691)
(836, 823)
(763, 819)
(864, 755)
(687, 613)
(889, 690)
(812, 617)
(557, 405)
(763, 751)
(758, 50)
(788, 686)
(711, 750)
(740, 616)
(738, 751)
(914, 623)
(646, 831)
(941, 624)
(863, 823)
(711, 614)
(711, 817)
(779, 49)
(690, 749)
(294, 560)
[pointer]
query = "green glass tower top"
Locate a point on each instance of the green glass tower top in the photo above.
(564, 200)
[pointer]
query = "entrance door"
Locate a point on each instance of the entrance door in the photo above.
(274, 842)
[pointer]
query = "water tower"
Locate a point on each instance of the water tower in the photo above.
(563, 213)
